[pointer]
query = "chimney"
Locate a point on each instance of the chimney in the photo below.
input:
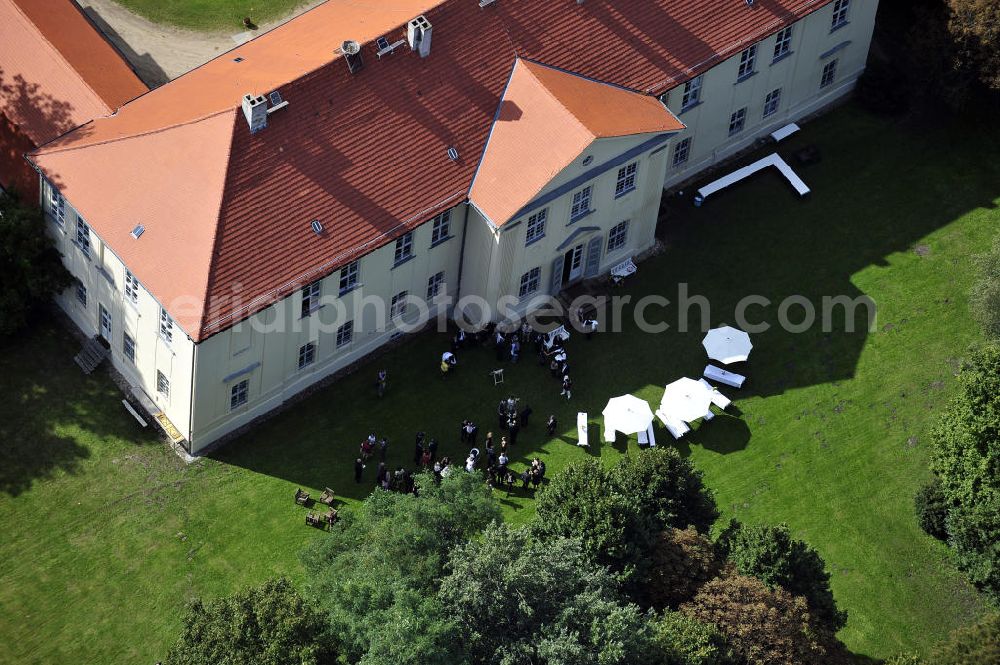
(418, 34)
(255, 111)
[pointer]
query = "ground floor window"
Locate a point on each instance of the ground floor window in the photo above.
(128, 347)
(829, 74)
(737, 121)
(682, 150)
(307, 354)
(162, 384)
(435, 284)
(398, 306)
(345, 334)
(618, 236)
(238, 394)
(81, 293)
(530, 281)
(771, 102)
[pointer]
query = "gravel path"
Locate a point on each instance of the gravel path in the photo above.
(160, 53)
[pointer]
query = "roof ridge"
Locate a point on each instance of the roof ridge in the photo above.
(59, 56)
(125, 137)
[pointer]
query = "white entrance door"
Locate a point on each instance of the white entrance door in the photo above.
(105, 324)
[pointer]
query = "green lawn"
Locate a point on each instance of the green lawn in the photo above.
(224, 15)
(106, 533)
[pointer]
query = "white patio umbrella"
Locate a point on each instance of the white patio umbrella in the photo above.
(626, 414)
(686, 399)
(727, 345)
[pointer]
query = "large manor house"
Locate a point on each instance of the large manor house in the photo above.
(398, 149)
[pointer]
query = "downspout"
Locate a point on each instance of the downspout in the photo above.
(461, 255)
(194, 366)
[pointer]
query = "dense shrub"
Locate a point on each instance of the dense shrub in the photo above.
(984, 300)
(680, 562)
(975, 645)
(966, 458)
(931, 508)
(770, 554)
(265, 625)
(684, 640)
(764, 626)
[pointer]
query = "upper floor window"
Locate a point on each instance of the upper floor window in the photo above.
(840, 8)
(626, 179)
(239, 394)
(692, 92)
(536, 226)
(349, 276)
(345, 333)
(783, 43)
(737, 121)
(404, 248)
(618, 236)
(435, 284)
(748, 63)
(310, 298)
(581, 203)
(166, 326)
(398, 306)
(307, 354)
(83, 235)
(829, 74)
(530, 281)
(441, 227)
(57, 203)
(131, 288)
(771, 102)
(682, 150)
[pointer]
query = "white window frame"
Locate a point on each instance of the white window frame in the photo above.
(404, 249)
(692, 93)
(81, 293)
(131, 288)
(239, 394)
(310, 297)
(166, 326)
(618, 236)
(627, 178)
(682, 152)
(782, 44)
(57, 203)
(350, 275)
(82, 235)
(531, 281)
(536, 226)
(345, 334)
(748, 63)
(840, 11)
(772, 102)
(162, 384)
(128, 347)
(580, 206)
(440, 228)
(435, 284)
(738, 121)
(397, 308)
(829, 74)
(307, 354)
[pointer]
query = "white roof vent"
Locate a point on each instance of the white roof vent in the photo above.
(255, 111)
(418, 35)
(485, 3)
(453, 154)
(138, 231)
(317, 226)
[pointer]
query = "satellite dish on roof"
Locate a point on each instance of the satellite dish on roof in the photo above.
(350, 47)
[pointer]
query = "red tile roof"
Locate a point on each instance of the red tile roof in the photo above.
(365, 153)
(56, 71)
(565, 113)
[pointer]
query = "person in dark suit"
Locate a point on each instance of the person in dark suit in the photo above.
(359, 466)
(525, 414)
(418, 450)
(432, 448)
(550, 425)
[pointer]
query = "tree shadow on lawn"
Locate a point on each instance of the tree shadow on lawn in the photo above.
(34, 413)
(879, 190)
